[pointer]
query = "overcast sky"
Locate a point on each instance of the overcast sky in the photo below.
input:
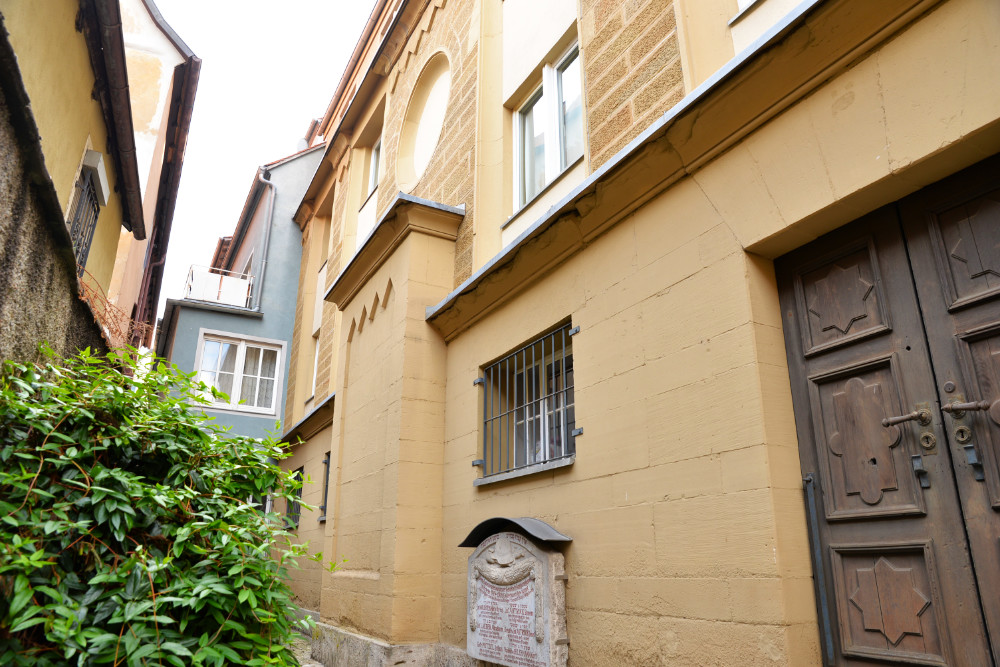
(268, 67)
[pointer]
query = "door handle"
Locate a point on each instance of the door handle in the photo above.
(922, 417)
(958, 410)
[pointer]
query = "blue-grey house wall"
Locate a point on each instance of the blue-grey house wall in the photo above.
(275, 295)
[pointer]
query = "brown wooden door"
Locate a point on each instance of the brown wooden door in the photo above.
(896, 315)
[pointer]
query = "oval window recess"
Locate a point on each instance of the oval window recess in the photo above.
(423, 121)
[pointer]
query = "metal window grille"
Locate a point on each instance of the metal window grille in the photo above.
(83, 218)
(294, 508)
(528, 408)
(326, 486)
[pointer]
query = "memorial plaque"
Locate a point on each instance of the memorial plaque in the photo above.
(517, 603)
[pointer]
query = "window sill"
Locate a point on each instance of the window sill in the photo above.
(548, 186)
(237, 411)
(743, 12)
(526, 470)
(368, 198)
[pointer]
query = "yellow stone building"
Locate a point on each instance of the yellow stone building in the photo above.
(573, 261)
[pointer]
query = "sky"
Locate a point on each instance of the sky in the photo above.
(268, 68)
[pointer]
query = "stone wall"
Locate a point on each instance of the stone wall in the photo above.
(38, 286)
(632, 70)
(452, 27)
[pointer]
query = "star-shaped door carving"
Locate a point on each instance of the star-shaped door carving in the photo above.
(838, 299)
(889, 601)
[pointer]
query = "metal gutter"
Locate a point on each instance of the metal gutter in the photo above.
(264, 178)
(103, 32)
(183, 91)
(168, 32)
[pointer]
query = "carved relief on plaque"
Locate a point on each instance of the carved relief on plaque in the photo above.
(516, 603)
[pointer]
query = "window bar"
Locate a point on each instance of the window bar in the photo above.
(543, 393)
(486, 418)
(534, 409)
(492, 413)
(504, 451)
(562, 419)
(523, 403)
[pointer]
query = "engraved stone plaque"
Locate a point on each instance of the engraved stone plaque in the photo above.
(517, 603)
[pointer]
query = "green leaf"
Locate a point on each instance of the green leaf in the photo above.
(18, 601)
(23, 625)
(176, 649)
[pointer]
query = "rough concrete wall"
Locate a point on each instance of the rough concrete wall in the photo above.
(450, 175)
(632, 70)
(38, 287)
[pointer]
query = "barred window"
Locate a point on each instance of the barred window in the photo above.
(83, 217)
(528, 409)
(293, 508)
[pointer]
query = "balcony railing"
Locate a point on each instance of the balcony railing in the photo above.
(218, 286)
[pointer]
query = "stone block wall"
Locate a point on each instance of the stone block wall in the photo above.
(632, 69)
(451, 27)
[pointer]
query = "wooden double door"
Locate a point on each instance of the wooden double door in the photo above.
(892, 331)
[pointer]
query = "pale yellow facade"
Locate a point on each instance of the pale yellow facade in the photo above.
(718, 137)
(42, 40)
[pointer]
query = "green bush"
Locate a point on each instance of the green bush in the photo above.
(128, 534)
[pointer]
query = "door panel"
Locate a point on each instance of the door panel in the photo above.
(865, 467)
(953, 233)
(902, 585)
(902, 577)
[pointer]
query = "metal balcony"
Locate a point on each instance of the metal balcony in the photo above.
(218, 286)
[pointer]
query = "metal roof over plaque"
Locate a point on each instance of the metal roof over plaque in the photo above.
(525, 525)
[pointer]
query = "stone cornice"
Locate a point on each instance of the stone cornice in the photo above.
(808, 47)
(406, 214)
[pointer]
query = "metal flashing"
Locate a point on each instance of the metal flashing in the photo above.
(526, 525)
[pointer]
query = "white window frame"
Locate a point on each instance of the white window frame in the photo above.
(374, 158)
(551, 103)
(242, 341)
(315, 374)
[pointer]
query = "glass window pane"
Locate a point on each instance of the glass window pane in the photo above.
(225, 383)
(265, 394)
(207, 377)
(251, 361)
(269, 363)
(571, 111)
(532, 149)
(228, 355)
(210, 355)
(248, 390)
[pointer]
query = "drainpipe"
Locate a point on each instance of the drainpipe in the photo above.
(263, 177)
